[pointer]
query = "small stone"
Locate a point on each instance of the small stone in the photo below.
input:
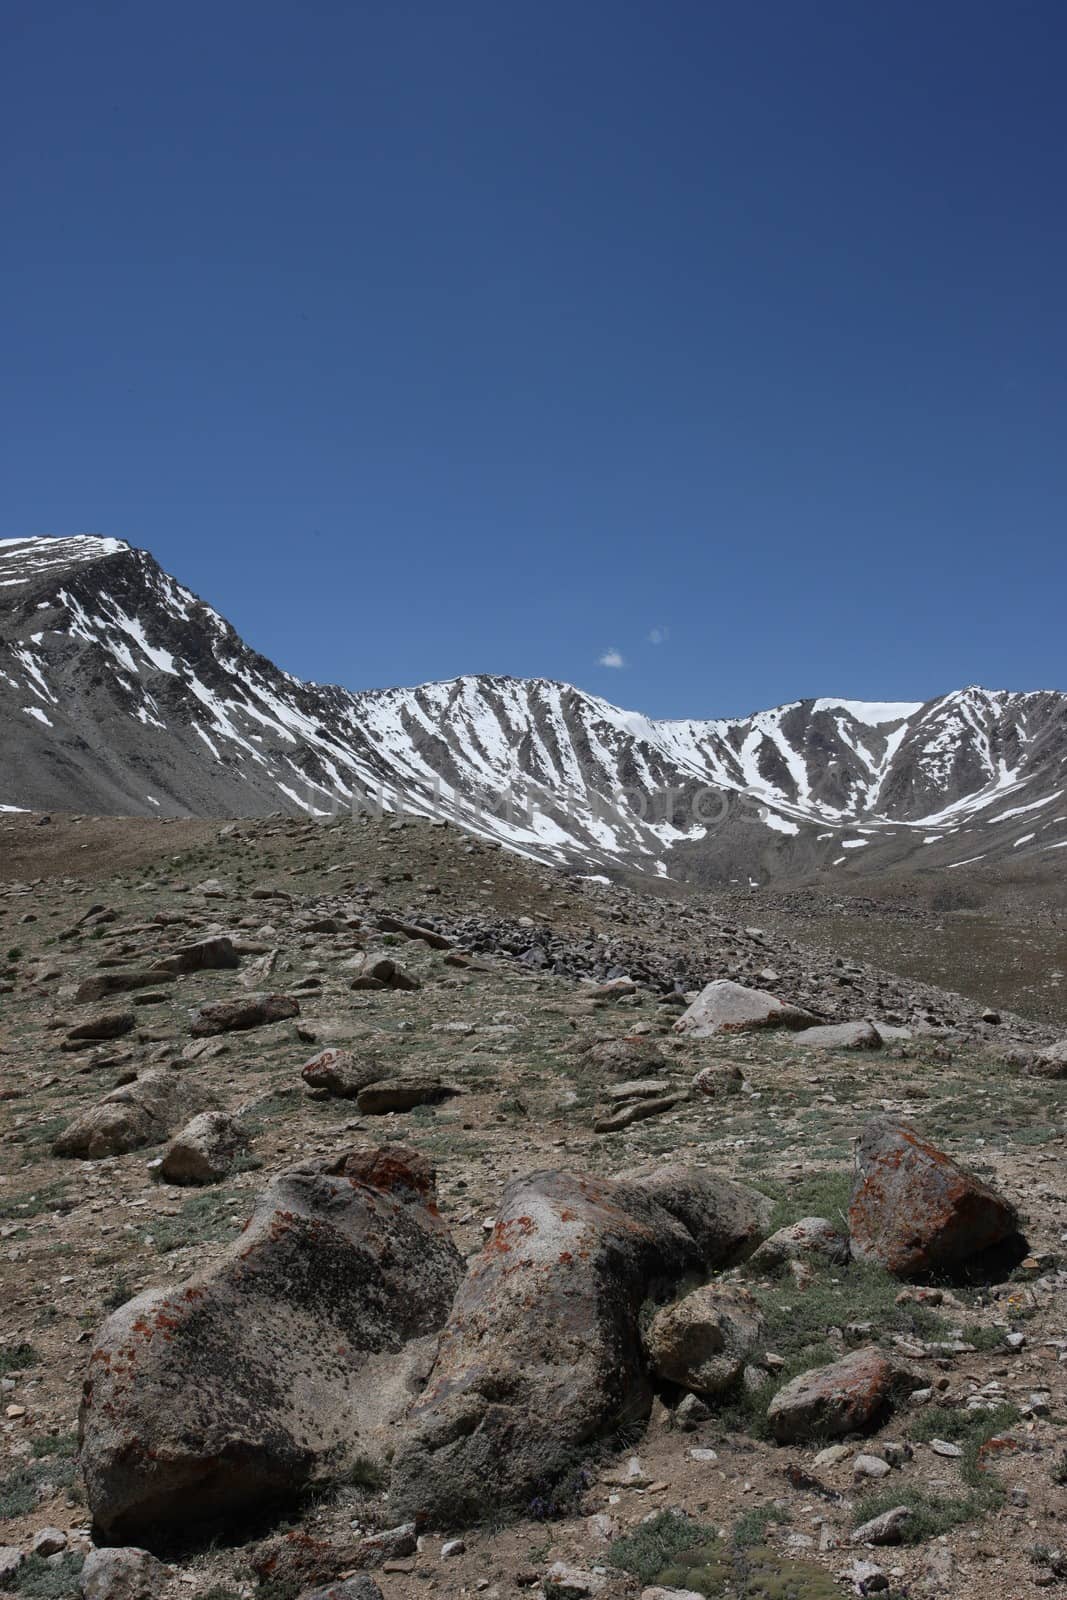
(886, 1529)
(48, 1542)
(870, 1467)
(703, 1455)
(944, 1447)
(452, 1547)
(562, 1582)
(867, 1577)
(11, 1559)
(833, 1455)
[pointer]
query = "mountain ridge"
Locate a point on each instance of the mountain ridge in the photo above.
(123, 691)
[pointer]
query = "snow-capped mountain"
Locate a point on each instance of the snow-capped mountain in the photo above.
(122, 692)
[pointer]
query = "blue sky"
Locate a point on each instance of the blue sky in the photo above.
(424, 338)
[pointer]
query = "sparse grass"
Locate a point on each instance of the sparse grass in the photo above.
(817, 1194)
(932, 1514)
(658, 1543)
(751, 1528)
(47, 1197)
(17, 1357)
(971, 1429)
(798, 1319)
(20, 1489)
(120, 1291)
(55, 1444)
(204, 1219)
(38, 1579)
(365, 1473)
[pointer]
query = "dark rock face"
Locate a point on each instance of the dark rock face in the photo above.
(138, 1113)
(281, 1363)
(542, 1352)
(915, 1211)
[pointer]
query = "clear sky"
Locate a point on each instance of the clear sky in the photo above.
(425, 337)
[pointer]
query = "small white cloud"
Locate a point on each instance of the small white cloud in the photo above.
(612, 658)
(659, 635)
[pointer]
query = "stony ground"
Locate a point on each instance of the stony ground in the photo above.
(79, 897)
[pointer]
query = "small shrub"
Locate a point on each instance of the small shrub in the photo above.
(17, 1357)
(932, 1514)
(39, 1579)
(751, 1528)
(55, 1444)
(118, 1294)
(657, 1544)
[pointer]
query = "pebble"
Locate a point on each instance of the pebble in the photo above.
(870, 1467)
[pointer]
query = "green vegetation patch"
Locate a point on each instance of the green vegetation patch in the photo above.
(39, 1579)
(674, 1552)
(17, 1357)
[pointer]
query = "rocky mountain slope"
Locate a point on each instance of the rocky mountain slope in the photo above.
(122, 692)
(300, 1122)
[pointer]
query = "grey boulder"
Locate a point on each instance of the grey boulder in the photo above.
(703, 1341)
(1050, 1063)
(283, 1362)
(136, 1114)
(205, 1150)
(542, 1352)
(338, 1073)
(841, 1036)
(797, 1241)
(125, 1573)
(727, 1007)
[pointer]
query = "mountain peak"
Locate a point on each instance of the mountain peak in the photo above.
(24, 560)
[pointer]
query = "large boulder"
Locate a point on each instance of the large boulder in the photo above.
(403, 1094)
(914, 1211)
(1050, 1063)
(629, 1057)
(205, 1150)
(281, 1364)
(841, 1036)
(138, 1113)
(339, 1073)
(122, 1574)
(214, 954)
(249, 1011)
(727, 1007)
(848, 1396)
(703, 1341)
(106, 1025)
(542, 1353)
(121, 981)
